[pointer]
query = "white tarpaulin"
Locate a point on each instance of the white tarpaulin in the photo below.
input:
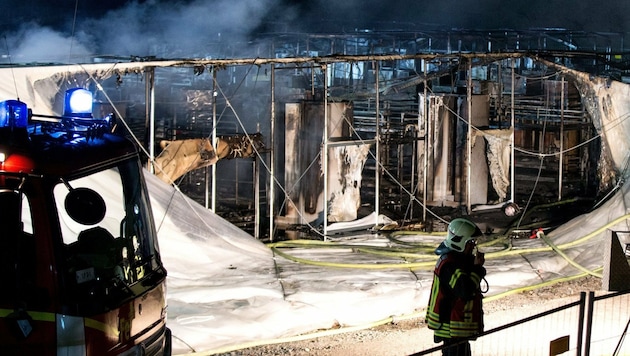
(227, 290)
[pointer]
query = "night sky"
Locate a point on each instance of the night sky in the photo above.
(33, 28)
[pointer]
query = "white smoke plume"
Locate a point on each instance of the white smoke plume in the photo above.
(32, 43)
(151, 28)
(146, 29)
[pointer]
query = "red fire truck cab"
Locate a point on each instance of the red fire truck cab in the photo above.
(80, 269)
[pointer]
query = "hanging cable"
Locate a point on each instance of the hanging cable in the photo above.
(74, 21)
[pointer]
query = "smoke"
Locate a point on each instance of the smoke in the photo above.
(153, 28)
(192, 28)
(32, 43)
(225, 28)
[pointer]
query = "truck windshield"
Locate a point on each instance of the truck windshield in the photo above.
(109, 243)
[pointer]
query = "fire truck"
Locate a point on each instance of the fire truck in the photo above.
(80, 268)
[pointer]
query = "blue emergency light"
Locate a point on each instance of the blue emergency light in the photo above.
(78, 103)
(13, 113)
(77, 119)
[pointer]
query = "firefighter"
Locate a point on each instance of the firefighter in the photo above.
(455, 311)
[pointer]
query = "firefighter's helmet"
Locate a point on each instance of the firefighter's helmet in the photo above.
(460, 231)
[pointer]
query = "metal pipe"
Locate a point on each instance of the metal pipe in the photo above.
(272, 156)
(589, 322)
(236, 182)
(377, 183)
(561, 160)
(256, 172)
(207, 176)
(414, 159)
(151, 84)
(512, 123)
(469, 138)
(580, 332)
(425, 163)
(214, 138)
(325, 153)
(400, 158)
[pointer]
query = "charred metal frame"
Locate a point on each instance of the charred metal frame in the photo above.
(324, 62)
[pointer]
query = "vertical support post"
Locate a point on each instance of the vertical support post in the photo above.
(580, 332)
(236, 181)
(147, 112)
(590, 301)
(425, 163)
(512, 123)
(214, 138)
(256, 169)
(272, 156)
(399, 161)
(325, 151)
(469, 137)
(150, 116)
(414, 159)
(377, 137)
(206, 177)
(561, 160)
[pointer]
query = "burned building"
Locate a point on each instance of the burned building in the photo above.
(408, 124)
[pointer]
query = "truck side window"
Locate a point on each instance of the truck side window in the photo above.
(107, 234)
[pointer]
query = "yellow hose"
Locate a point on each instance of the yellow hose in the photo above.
(355, 265)
(536, 286)
(405, 253)
(564, 255)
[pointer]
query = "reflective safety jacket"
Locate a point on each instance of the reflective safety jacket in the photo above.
(455, 304)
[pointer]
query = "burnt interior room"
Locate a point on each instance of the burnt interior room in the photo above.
(411, 126)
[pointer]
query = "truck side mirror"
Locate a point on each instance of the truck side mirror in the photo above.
(85, 206)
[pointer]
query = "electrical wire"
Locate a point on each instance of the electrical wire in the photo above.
(74, 22)
(531, 193)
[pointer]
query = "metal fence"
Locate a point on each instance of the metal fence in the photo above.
(592, 325)
(607, 324)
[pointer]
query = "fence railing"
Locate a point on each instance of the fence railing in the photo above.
(593, 325)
